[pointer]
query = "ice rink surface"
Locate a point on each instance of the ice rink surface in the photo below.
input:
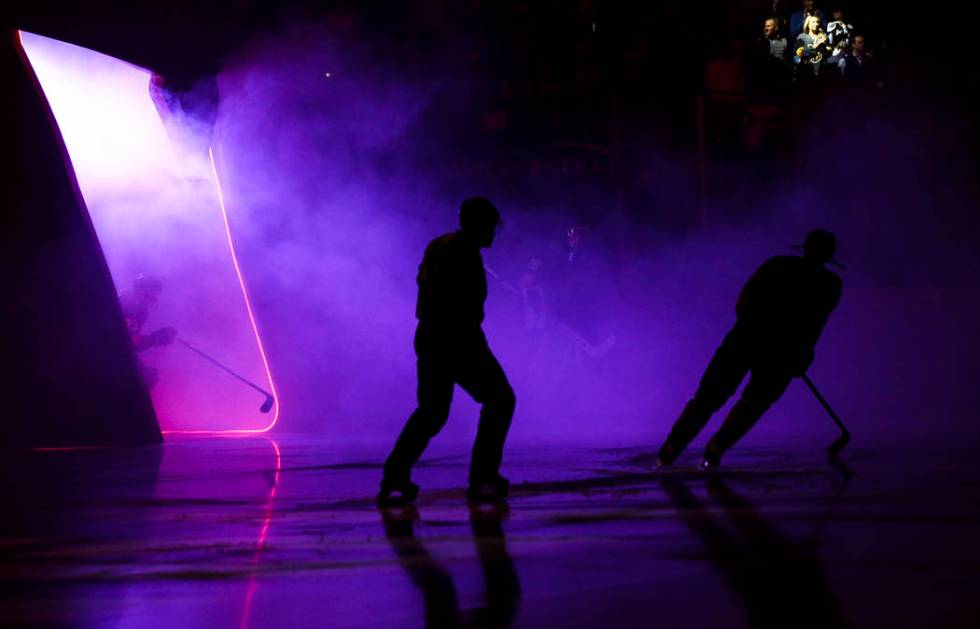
(262, 532)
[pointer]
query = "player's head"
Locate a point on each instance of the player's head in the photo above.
(819, 246)
(147, 289)
(479, 219)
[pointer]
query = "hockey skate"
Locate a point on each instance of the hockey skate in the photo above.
(397, 492)
(489, 490)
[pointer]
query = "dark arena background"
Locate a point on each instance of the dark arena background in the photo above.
(214, 214)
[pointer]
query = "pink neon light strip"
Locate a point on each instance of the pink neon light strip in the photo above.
(260, 544)
(251, 318)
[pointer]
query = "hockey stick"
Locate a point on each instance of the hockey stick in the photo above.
(269, 400)
(835, 448)
(590, 350)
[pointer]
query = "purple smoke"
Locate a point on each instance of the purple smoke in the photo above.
(340, 161)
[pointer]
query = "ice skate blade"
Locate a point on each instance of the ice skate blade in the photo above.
(487, 499)
(486, 494)
(708, 467)
(397, 495)
(398, 500)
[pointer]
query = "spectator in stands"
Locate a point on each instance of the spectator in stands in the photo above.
(811, 49)
(771, 64)
(858, 66)
(797, 19)
(839, 34)
(775, 41)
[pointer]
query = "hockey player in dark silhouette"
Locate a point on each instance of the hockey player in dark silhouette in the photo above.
(451, 350)
(137, 306)
(780, 314)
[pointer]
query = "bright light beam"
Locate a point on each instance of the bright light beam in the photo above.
(148, 197)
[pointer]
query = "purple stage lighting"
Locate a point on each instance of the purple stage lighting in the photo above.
(151, 188)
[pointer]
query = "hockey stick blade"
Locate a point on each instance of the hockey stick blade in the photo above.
(834, 449)
(267, 405)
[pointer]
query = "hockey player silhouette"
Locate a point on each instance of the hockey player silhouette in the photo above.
(780, 314)
(451, 350)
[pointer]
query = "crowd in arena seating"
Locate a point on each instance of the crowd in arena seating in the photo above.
(760, 87)
(805, 50)
(809, 45)
(624, 93)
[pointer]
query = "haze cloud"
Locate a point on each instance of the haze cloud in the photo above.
(341, 160)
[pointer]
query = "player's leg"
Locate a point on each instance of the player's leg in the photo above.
(726, 370)
(766, 385)
(435, 394)
(481, 376)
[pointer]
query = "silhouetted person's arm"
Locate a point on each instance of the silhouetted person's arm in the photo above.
(753, 301)
(135, 315)
(812, 326)
(429, 281)
(452, 283)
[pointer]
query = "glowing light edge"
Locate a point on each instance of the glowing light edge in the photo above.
(263, 536)
(251, 318)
